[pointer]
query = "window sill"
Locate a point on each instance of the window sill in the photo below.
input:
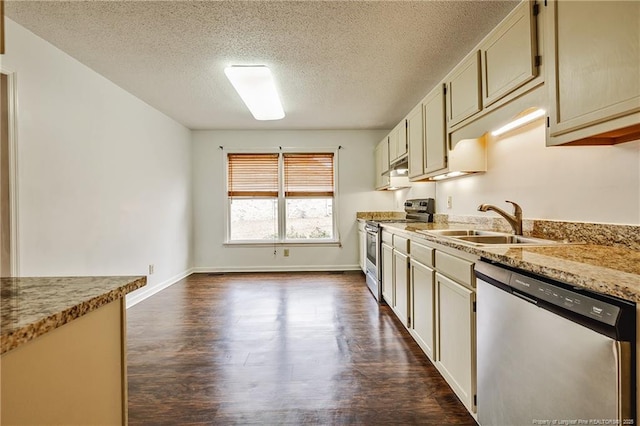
(279, 244)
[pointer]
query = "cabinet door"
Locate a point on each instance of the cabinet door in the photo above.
(401, 273)
(463, 89)
(403, 146)
(422, 307)
(415, 139)
(362, 250)
(382, 164)
(384, 159)
(593, 66)
(435, 131)
(387, 275)
(393, 145)
(508, 56)
(456, 356)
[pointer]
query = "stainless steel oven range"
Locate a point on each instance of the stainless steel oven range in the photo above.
(417, 210)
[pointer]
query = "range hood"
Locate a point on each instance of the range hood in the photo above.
(400, 165)
(399, 174)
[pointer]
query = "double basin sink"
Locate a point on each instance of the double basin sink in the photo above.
(476, 237)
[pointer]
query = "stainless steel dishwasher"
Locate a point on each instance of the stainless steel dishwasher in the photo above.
(550, 353)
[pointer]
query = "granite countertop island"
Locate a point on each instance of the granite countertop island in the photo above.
(33, 306)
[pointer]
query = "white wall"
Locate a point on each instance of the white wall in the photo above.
(574, 183)
(103, 179)
(355, 180)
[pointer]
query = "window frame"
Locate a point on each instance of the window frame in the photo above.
(281, 219)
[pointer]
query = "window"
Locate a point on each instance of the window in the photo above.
(284, 197)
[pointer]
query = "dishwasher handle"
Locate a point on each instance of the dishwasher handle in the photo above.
(524, 297)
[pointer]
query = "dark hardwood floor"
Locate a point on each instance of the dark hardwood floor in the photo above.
(279, 348)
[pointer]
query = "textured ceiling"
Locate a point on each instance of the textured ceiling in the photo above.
(338, 65)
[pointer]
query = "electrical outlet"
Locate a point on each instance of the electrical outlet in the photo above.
(286, 252)
(151, 268)
(449, 201)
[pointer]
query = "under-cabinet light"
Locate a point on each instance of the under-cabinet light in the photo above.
(448, 175)
(521, 121)
(256, 87)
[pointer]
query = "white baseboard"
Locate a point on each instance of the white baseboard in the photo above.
(148, 291)
(298, 268)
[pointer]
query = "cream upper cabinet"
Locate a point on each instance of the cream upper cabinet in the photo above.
(593, 71)
(403, 146)
(393, 144)
(415, 139)
(382, 164)
(398, 142)
(384, 159)
(463, 90)
(509, 54)
(456, 351)
(435, 132)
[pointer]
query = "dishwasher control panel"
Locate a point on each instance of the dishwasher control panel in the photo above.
(569, 300)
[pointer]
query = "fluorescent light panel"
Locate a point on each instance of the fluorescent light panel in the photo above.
(525, 119)
(256, 87)
(448, 175)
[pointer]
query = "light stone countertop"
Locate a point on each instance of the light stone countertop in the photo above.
(606, 269)
(33, 306)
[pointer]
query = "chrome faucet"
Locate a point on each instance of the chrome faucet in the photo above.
(514, 220)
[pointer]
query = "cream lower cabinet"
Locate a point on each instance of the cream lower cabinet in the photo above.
(434, 298)
(423, 306)
(362, 247)
(401, 278)
(455, 358)
(387, 274)
(401, 273)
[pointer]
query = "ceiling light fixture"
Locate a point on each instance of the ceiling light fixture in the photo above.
(528, 118)
(256, 87)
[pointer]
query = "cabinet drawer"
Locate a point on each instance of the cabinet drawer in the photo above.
(422, 254)
(458, 269)
(387, 237)
(401, 244)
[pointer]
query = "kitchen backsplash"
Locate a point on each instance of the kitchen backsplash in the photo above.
(627, 236)
(380, 215)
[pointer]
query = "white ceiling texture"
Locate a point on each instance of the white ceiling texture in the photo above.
(337, 64)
